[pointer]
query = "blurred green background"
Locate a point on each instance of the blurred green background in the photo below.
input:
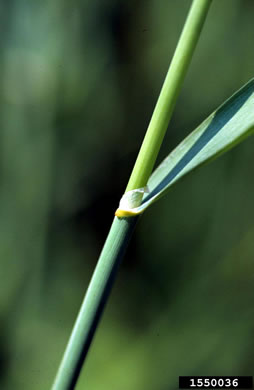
(78, 83)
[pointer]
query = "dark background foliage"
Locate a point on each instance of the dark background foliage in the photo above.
(78, 83)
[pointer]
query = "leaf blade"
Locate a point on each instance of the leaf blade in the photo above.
(227, 126)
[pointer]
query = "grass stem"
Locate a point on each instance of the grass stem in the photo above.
(169, 93)
(93, 304)
(122, 228)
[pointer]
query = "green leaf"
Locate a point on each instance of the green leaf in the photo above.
(232, 122)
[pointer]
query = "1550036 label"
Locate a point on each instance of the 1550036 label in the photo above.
(215, 382)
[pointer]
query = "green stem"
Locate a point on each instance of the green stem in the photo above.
(122, 229)
(95, 299)
(169, 93)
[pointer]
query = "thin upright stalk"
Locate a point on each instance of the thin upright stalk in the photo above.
(122, 228)
(93, 304)
(168, 95)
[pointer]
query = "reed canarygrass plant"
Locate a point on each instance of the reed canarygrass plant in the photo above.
(227, 126)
